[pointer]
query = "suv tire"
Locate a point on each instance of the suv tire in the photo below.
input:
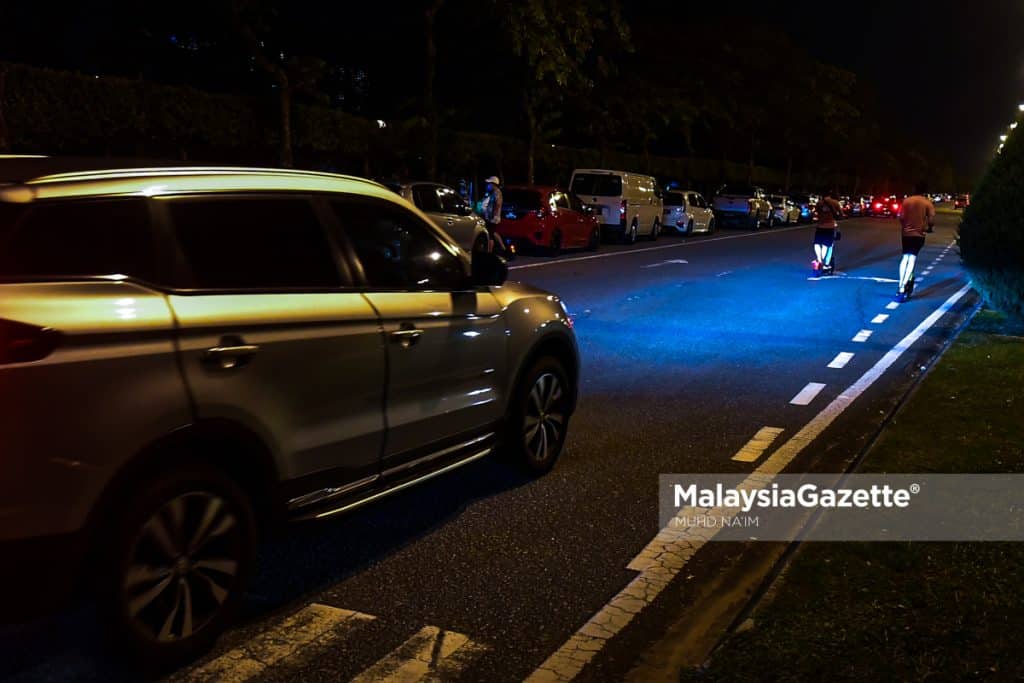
(538, 417)
(181, 553)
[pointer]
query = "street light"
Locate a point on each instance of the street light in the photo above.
(1002, 138)
(1020, 107)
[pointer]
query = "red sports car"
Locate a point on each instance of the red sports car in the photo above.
(547, 218)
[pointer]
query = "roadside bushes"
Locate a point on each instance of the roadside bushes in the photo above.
(992, 230)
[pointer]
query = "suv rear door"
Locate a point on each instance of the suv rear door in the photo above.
(271, 336)
(446, 343)
(93, 378)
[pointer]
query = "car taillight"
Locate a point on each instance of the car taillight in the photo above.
(878, 205)
(895, 207)
(23, 343)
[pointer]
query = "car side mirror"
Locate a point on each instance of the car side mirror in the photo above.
(464, 210)
(488, 269)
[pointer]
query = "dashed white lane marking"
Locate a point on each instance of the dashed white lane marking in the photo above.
(724, 273)
(893, 305)
(627, 252)
(665, 263)
(666, 555)
(311, 625)
(880, 318)
(862, 336)
(430, 655)
(807, 394)
(840, 361)
(844, 276)
(756, 447)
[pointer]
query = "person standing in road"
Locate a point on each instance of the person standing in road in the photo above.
(491, 210)
(829, 213)
(917, 216)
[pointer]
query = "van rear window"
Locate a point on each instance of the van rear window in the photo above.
(597, 184)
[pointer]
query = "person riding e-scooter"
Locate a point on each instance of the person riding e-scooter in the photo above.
(829, 213)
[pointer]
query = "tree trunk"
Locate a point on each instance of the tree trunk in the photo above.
(287, 160)
(429, 101)
(5, 137)
(531, 139)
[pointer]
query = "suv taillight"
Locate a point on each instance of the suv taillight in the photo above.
(23, 343)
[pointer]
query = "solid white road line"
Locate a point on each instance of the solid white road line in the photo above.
(311, 625)
(862, 336)
(840, 361)
(627, 252)
(429, 655)
(880, 318)
(756, 447)
(666, 555)
(893, 305)
(664, 263)
(807, 394)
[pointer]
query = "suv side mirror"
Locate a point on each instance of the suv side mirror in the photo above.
(488, 269)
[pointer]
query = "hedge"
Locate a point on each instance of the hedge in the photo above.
(61, 112)
(992, 230)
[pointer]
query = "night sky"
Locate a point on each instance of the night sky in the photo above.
(949, 72)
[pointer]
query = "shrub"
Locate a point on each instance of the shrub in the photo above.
(992, 230)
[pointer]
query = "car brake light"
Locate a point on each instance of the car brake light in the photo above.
(23, 343)
(895, 207)
(878, 205)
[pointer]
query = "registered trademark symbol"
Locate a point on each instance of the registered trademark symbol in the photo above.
(915, 488)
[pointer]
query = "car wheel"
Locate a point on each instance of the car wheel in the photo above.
(180, 554)
(711, 226)
(481, 242)
(630, 236)
(689, 228)
(595, 240)
(655, 230)
(539, 415)
(556, 243)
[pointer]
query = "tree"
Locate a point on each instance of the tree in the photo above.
(553, 41)
(429, 99)
(252, 21)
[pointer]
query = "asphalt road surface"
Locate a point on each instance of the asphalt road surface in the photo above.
(690, 347)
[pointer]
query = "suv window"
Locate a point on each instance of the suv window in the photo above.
(253, 243)
(101, 237)
(426, 199)
(451, 202)
(693, 200)
(396, 249)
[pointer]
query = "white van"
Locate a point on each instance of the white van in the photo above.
(628, 205)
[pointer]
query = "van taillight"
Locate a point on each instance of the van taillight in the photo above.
(623, 206)
(23, 343)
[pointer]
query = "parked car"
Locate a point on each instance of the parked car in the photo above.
(627, 204)
(546, 217)
(784, 209)
(962, 201)
(806, 203)
(743, 206)
(448, 210)
(190, 353)
(687, 212)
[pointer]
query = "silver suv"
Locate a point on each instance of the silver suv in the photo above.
(189, 353)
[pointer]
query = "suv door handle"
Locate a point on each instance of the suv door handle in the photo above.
(230, 357)
(407, 336)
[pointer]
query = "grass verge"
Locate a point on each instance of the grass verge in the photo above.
(909, 611)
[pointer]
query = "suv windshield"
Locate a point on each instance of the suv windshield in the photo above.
(597, 184)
